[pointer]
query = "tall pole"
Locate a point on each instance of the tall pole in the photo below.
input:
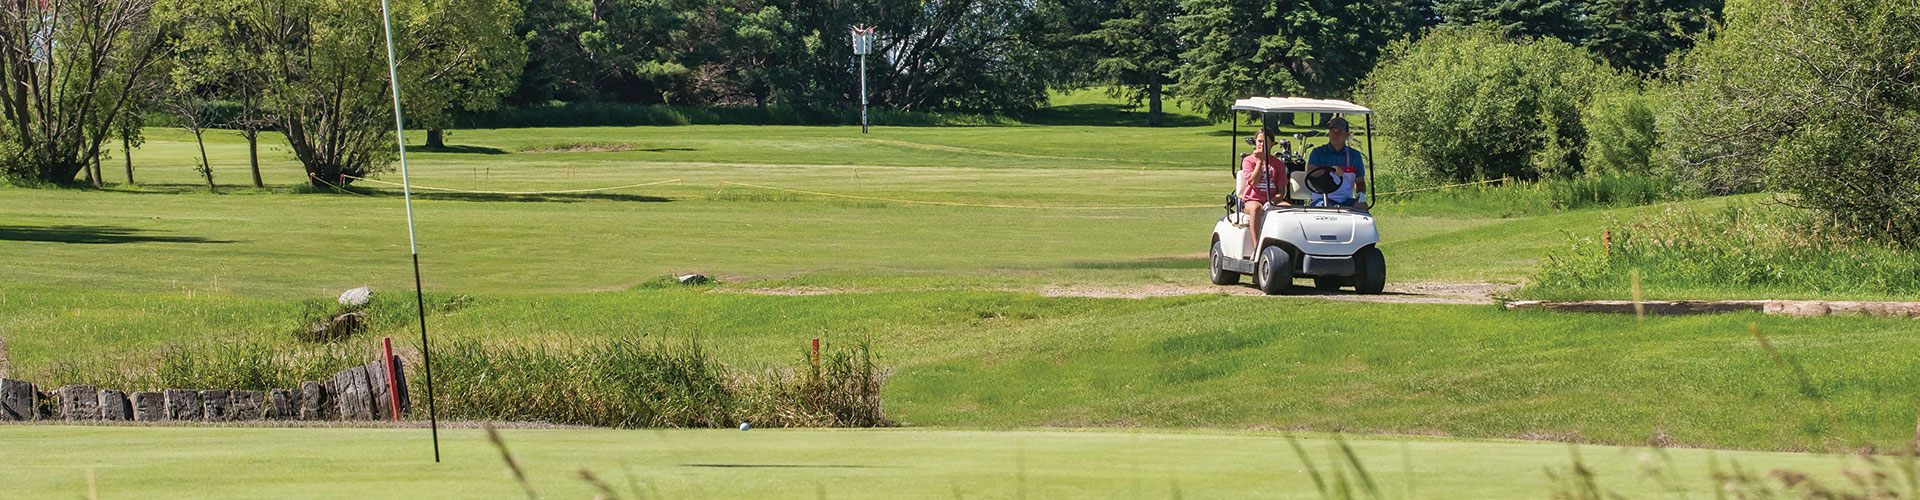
(863, 93)
(413, 245)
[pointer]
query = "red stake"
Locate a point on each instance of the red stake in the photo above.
(1606, 239)
(393, 386)
(816, 354)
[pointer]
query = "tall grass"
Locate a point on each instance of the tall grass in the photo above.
(1764, 250)
(611, 114)
(1520, 198)
(621, 382)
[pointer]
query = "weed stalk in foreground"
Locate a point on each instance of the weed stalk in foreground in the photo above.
(519, 474)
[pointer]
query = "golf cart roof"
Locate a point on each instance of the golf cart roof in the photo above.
(1299, 105)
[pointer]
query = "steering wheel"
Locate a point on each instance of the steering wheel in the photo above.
(1320, 180)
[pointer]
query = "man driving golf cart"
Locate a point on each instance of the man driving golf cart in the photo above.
(1339, 171)
(1298, 217)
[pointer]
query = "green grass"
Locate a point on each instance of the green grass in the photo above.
(104, 280)
(263, 243)
(172, 462)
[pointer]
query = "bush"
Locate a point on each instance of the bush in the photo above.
(1819, 99)
(1467, 104)
(1753, 250)
(1621, 134)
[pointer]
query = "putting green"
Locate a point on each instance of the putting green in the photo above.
(200, 462)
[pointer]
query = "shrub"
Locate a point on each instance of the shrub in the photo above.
(1816, 98)
(1621, 135)
(1467, 104)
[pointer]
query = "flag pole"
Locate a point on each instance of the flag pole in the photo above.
(413, 245)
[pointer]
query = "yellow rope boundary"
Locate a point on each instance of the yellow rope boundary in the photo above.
(563, 191)
(955, 203)
(1451, 186)
(724, 183)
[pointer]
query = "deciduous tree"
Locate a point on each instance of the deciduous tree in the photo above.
(68, 70)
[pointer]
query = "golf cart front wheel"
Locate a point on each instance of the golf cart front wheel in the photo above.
(1216, 273)
(1373, 271)
(1275, 272)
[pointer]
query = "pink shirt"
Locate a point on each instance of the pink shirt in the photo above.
(1262, 191)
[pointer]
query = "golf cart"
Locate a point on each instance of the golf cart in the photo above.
(1336, 246)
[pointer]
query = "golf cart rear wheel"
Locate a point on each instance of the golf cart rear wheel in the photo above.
(1373, 271)
(1329, 284)
(1275, 272)
(1215, 272)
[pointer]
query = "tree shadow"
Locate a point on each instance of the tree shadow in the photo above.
(482, 150)
(522, 198)
(1105, 115)
(92, 235)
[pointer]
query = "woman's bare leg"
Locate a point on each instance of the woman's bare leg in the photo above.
(1255, 212)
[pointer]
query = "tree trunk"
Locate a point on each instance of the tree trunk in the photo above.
(436, 138)
(126, 152)
(1153, 102)
(206, 169)
(253, 155)
(89, 171)
(99, 180)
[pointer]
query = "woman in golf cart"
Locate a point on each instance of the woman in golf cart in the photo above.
(1260, 182)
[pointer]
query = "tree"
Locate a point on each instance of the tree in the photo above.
(1466, 104)
(1239, 48)
(1557, 19)
(1819, 99)
(968, 55)
(192, 109)
(558, 66)
(328, 87)
(468, 61)
(1641, 34)
(1137, 51)
(221, 55)
(70, 70)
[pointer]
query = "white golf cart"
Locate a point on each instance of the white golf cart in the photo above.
(1336, 246)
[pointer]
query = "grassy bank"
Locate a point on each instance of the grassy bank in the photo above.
(333, 463)
(999, 359)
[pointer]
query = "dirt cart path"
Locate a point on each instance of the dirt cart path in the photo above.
(1399, 293)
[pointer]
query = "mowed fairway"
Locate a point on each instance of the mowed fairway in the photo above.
(171, 462)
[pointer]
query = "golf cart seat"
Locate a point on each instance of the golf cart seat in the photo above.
(1297, 186)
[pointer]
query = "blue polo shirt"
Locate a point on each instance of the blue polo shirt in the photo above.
(1348, 164)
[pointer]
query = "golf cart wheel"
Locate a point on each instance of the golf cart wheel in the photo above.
(1329, 284)
(1217, 274)
(1275, 273)
(1373, 271)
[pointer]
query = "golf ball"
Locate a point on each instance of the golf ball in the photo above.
(745, 426)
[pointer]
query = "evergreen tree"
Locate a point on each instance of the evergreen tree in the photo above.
(1516, 19)
(1138, 50)
(1640, 34)
(1319, 48)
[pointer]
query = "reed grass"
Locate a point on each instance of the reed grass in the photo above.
(1742, 250)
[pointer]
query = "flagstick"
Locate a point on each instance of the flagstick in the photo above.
(413, 245)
